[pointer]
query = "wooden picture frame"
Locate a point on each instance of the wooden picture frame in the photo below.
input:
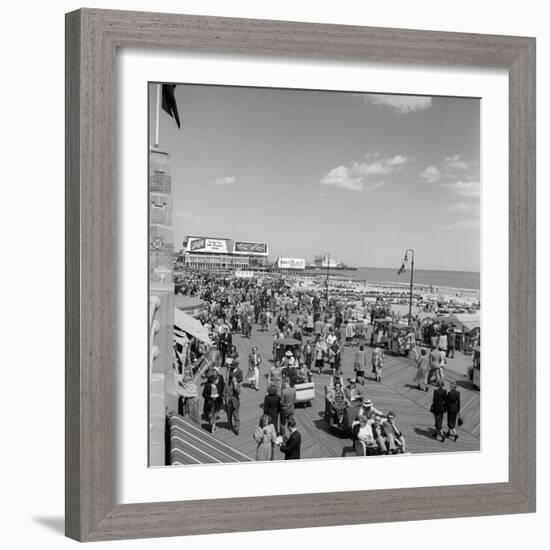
(92, 39)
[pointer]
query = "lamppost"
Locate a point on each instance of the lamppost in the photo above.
(401, 270)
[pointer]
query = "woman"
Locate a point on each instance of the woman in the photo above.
(265, 437)
(253, 375)
(377, 362)
(350, 331)
(319, 356)
(360, 364)
(421, 378)
(363, 437)
(272, 406)
(339, 403)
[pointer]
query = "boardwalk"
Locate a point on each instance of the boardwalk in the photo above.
(395, 393)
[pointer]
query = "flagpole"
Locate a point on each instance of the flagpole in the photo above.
(157, 117)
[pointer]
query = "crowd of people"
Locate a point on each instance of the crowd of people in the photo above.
(309, 338)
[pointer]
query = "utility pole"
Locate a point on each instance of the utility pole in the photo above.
(328, 274)
(412, 280)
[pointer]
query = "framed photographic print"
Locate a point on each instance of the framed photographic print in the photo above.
(288, 247)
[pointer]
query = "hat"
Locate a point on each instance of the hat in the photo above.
(367, 402)
(288, 353)
(352, 381)
(229, 360)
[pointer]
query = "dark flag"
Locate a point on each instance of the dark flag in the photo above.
(401, 269)
(169, 102)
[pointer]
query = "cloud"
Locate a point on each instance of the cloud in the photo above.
(471, 223)
(402, 104)
(456, 162)
(469, 189)
(461, 207)
(227, 180)
(431, 174)
(345, 178)
(398, 160)
(356, 176)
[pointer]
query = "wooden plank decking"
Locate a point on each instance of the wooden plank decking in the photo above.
(395, 393)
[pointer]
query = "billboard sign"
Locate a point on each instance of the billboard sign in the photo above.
(251, 249)
(291, 263)
(204, 244)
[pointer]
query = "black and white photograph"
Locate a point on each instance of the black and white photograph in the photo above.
(314, 274)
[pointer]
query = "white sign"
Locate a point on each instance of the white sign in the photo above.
(204, 244)
(244, 274)
(291, 263)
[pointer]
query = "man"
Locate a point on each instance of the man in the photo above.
(453, 409)
(442, 363)
(378, 434)
(433, 366)
(396, 442)
(223, 341)
(451, 343)
(353, 393)
(368, 410)
(308, 355)
(318, 327)
(288, 397)
(331, 337)
(234, 371)
(291, 447)
(232, 398)
(263, 320)
(213, 399)
(439, 406)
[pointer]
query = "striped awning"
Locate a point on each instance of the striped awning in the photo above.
(184, 322)
(190, 444)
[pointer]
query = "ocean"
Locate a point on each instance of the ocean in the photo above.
(451, 279)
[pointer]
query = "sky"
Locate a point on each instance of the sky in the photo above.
(360, 176)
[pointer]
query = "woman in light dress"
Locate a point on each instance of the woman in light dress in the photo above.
(265, 437)
(350, 331)
(421, 378)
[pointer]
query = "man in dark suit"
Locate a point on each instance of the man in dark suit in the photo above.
(293, 443)
(453, 409)
(288, 397)
(233, 396)
(439, 406)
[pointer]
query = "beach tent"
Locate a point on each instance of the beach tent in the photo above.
(184, 322)
(466, 321)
